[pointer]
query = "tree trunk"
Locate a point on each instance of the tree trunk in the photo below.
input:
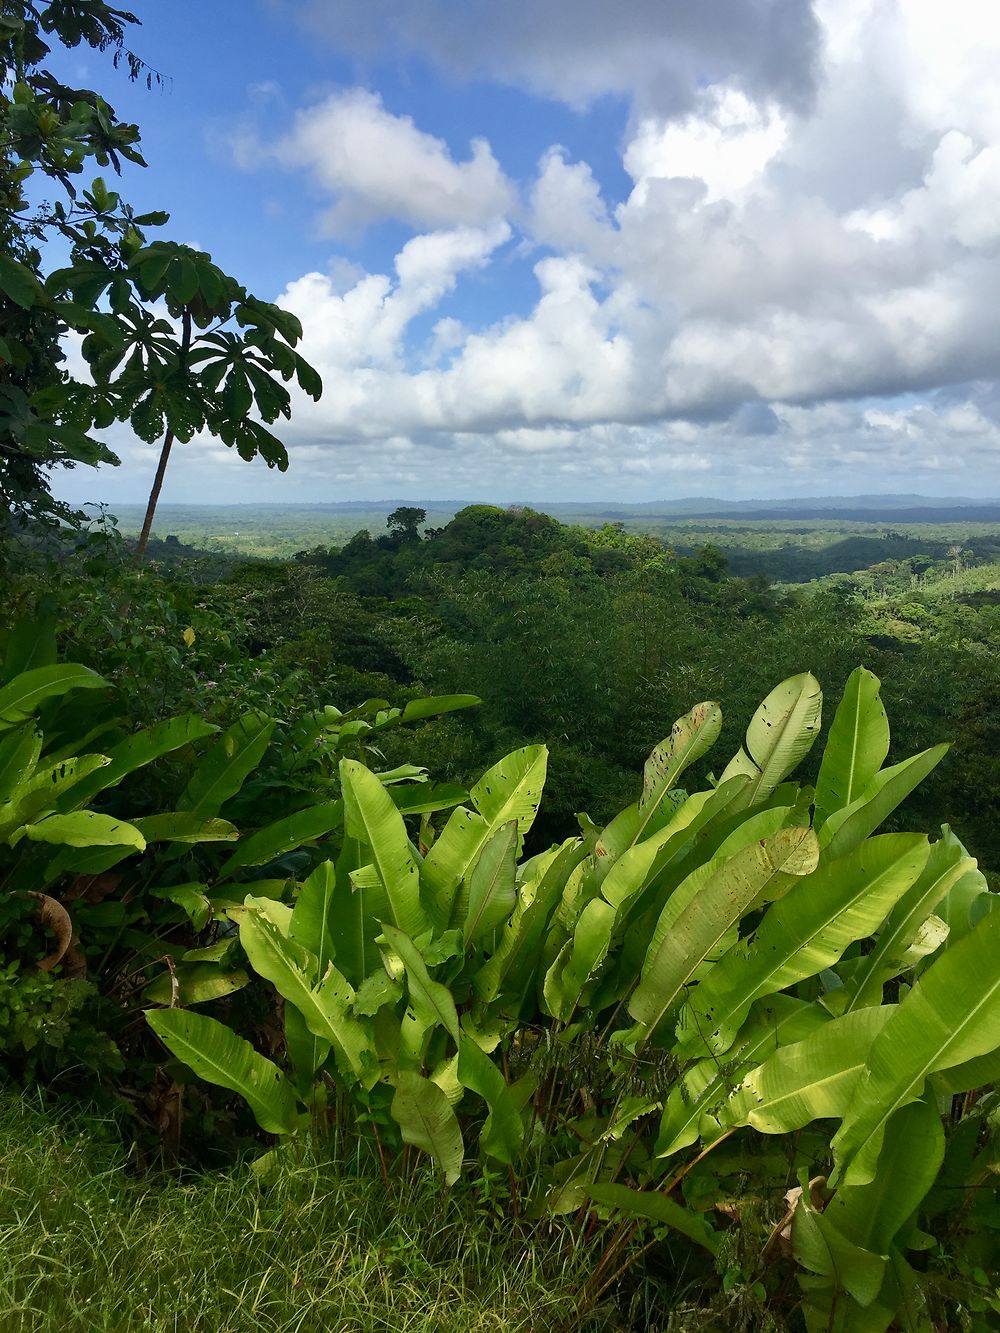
(168, 440)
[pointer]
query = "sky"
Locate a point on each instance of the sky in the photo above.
(554, 251)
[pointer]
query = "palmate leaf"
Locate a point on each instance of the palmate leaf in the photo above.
(371, 818)
(856, 746)
(952, 1015)
(217, 1054)
(427, 1120)
(726, 889)
(779, 736)
(804, 933)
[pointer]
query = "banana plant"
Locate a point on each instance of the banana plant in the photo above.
(731, 964)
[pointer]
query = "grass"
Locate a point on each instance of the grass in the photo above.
(89, 1245)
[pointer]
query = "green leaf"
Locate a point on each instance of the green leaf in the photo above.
(326, 1008)
(427, 1120)
(699, 918)
(873, 1215)
(371, 817)
(951, 1015)
(655, 1207)
(503, 1133)
(284, 835)
(185, 826)
(779, 736)
(227, 764)
(18, 756)
(141, 749)
(856, 746)
(25, 693)
(193, 900)
(510, 790)
(217, 1054)
(819, 1246)
(84, 828)
(946, 865)
(778, 1021)
(812, 1079)
(492, 894)
(311, 915)
(30, 644)
(19, 283)
(435, 705)
(197, 983)
(430, 1000)
(800, 936)
(846, 828)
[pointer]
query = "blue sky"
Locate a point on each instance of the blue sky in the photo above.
(728, 249)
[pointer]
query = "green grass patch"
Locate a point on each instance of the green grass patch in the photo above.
(90, 1245)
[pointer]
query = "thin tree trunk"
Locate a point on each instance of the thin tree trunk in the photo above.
(168, 440)
(154, 495)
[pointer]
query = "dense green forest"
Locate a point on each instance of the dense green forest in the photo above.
(482, 919)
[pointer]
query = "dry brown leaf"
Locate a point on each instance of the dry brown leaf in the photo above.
(51, 915)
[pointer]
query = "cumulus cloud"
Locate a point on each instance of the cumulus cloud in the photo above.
(801, 278)
(658, 51)
(376, 165)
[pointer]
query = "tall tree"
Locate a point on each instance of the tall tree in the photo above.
(221, 360)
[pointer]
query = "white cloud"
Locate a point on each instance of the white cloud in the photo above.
(377, 165)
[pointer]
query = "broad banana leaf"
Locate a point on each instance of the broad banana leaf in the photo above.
(952, 1015)
(800, 936)
(778, 1021)
(19, 753)
(431, 1002)
(138, 750)
(779, 736)
(873, 1215)
(217, 1054)
(503, 1133)
(511, 968)
(284, 835)
(690, 737)
(85, 828)
(492, 892)
(427, 1120)
(326, 1008)
(371, 818)
(946, 865)
(510, 790)
(659, 1208)
(723, 892)
(21, 698)
(855, 748)
(312, 916)
(847, 828)
(813, 1079)
(227, 764)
